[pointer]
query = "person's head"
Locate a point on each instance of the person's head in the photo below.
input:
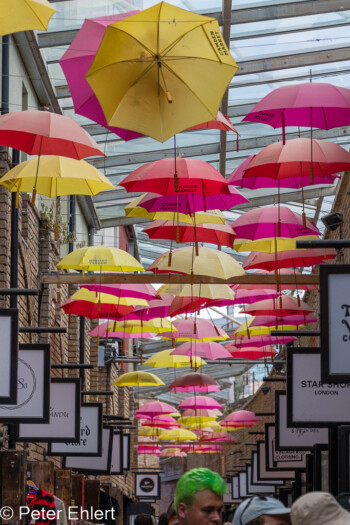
(199, 497)
(163, 519)
(143, 519)
(261, 510)
(172, 516)
(318, 508)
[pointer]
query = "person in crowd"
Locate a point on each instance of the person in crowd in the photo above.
(262, 510)
(199, 497)
(143, 519)
(163, 519)
(318, 508)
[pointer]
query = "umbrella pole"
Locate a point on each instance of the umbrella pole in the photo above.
(311, 159)
(32, 203)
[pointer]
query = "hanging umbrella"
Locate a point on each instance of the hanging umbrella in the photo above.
(205, 291)
(241, 418)
(272, 245)
(188, 204)
(288, 259)
(24, 15)
(219, 234)
(253, 353)
(196, 424)
(151, 452)
(286, 271)
(102, 331)
(213, 263)
(194, 382)
(200, 402)
(156, 408)
(89, 304)
(138, 379)
(249, 330)
(156, 308)
(157, 326)
(150, 432)
(198, 329)
(155, 54)
(54, 176)
(134, 210)
(291, 319)
(221, 122)
(186, 305)
(140, 291)
(317, 105)
(178, 435)
(165, 359)
(247, 296)
(98, 258)
(210, 350)
(161, 422)
(283, 306)
(176, 175)
(44, 133)
(202, 412)
(237, 178)
(243, 341)
(173, 453)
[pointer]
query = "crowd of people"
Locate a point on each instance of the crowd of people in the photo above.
(198, 500)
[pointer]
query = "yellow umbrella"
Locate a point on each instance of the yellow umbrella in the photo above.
(164, 358)
(202, 425)
(178, 434)
(209, 262)
(100, 258)
(271, 245)
(53, 176)
(161, 71)
(138, 379)
(106, 298)
(155, 326)
(150, 431)
(189, 420)
(24, 15)
(208, 291)
(212, 216)
(246, 329)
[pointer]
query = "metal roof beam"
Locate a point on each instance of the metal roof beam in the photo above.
(238, 16)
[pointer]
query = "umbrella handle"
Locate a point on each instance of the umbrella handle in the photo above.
(32, 202)
(169, 97)
(169, 258)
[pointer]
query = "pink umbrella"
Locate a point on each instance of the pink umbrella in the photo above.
(242, 341)
(285, 305)
(243, 296)
(143, 449)
(194, 382)
(155, 408)
(203, 412)
(205, 449)
(222, 437)
(173, 452)
(237, 178)
(272, 320)
(177, 175)
(272, 221)
(101, 331)
(199, 329)
(253, 353)
(208, 350)
(221, 122)
(161, 422)
(200, 402)
(240, 418)
(156, 308)
(286, 271)
(76, 62)
(139, 291)
(191, 203)
(316, 105)
(288, 259)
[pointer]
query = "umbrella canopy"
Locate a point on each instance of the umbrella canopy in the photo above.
(253, 353)
(54, 176)
(296, 157)
(88, 304)
(205, 291)
(219, 234)
(209, 262)
(243, 341)
(175, 60)
(240, 418)
(200, 402)
(45, 133)
(164, 358)
(97, 258)
(159, 307)
(210, 350)
(288, 259)
(176, 175)
(140, 291)
(250, 330)
(272, 320)
(178, 434)
(188, 204)
(106, 298)
(221, 122)
(196, 329)
(272, 221)
(194, 382)
(103, 330)
(25, 15)
(138, 379)
(161, 422)
(283, 306)
(237, 178)
(173, 452)
(317, 105)
(202, 412)
(186, 305)
(272, 245)
(156, 408)
(286, 271)
(249, 296)
(156, 326)
(134, 210)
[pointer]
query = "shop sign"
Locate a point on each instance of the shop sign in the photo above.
(258, 489)
(96, 464)
(117, 453)
(255, 480)
(281, 459)
(264, 473)
(147, 485)
(9, 351)
(126, 452)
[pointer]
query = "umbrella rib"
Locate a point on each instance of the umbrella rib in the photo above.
(35, 13)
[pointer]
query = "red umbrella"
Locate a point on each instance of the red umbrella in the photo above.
(282, 306)
(156, 308)
(95, 310)
(288, 259)
(240, 288)
(176, 176)
(45, 133)
(185, 305)
(221, 122)
(220, 234)
(253, 353)
(140, 291)
(243, 341)
(296, 157)
(242, 295)
(194, 382)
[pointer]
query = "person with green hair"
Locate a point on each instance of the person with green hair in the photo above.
(198, 497)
